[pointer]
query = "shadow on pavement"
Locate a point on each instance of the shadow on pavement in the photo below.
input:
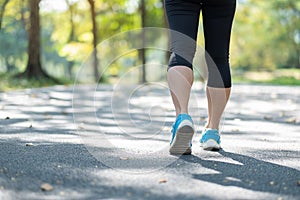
(251, 174)
(70, 169)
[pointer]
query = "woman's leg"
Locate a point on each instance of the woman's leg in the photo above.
(180, 80)
(217, 23)
(183, 19)
(217, 99)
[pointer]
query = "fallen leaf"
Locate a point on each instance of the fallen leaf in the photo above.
(28, 144)
(268, 118)
(64, 113)
(272, 183)
(298, 183)
(30, 126)
(7, 117)
(124, 158)
(162, 181)
(292, 120)
(46, 187)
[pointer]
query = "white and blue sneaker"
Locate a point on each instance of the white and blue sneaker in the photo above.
(210, 140)
(182, 135)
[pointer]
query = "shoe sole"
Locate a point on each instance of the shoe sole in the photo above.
(211, 145)
(182, 140)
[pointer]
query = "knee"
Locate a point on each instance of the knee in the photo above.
(177, 60)
(219, 75)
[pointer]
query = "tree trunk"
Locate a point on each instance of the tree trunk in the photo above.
(34, 67)
(71, 37)
(143, 50)
(2, 11)
(168, 53)
(95, 41)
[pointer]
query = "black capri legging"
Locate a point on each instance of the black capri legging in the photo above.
(183, 18)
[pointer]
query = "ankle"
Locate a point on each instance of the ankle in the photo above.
(181, 112)
(211, 126)
(212, 129)
(184, 113)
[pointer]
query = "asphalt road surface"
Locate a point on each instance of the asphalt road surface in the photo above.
(102, 142)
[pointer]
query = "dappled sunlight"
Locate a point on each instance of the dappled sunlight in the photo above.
(253, 174)
(41, 138)
(123, 147)
(107, 135)
(274, 103)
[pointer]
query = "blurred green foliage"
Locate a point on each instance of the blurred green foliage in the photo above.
(266, 34)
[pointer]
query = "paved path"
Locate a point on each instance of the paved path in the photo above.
(115, 146)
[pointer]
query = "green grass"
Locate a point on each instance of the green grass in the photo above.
(284, 81)
(276, 77)
(9, 82)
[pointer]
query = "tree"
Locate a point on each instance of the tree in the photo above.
(266, 35)
(72, 34)
(95, 40)
(2, 9)
(287, 13)
(13, 34)
(165, 25)
(142, 51)
(34, 67)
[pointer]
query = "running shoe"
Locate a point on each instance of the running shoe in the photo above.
(210, 140)
(182, 134)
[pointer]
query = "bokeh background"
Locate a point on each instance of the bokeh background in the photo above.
(45, 42)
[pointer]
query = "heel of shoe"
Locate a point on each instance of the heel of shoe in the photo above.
(182, 141)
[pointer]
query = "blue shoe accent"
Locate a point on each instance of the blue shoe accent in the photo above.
(182, 134)
(210, 140)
